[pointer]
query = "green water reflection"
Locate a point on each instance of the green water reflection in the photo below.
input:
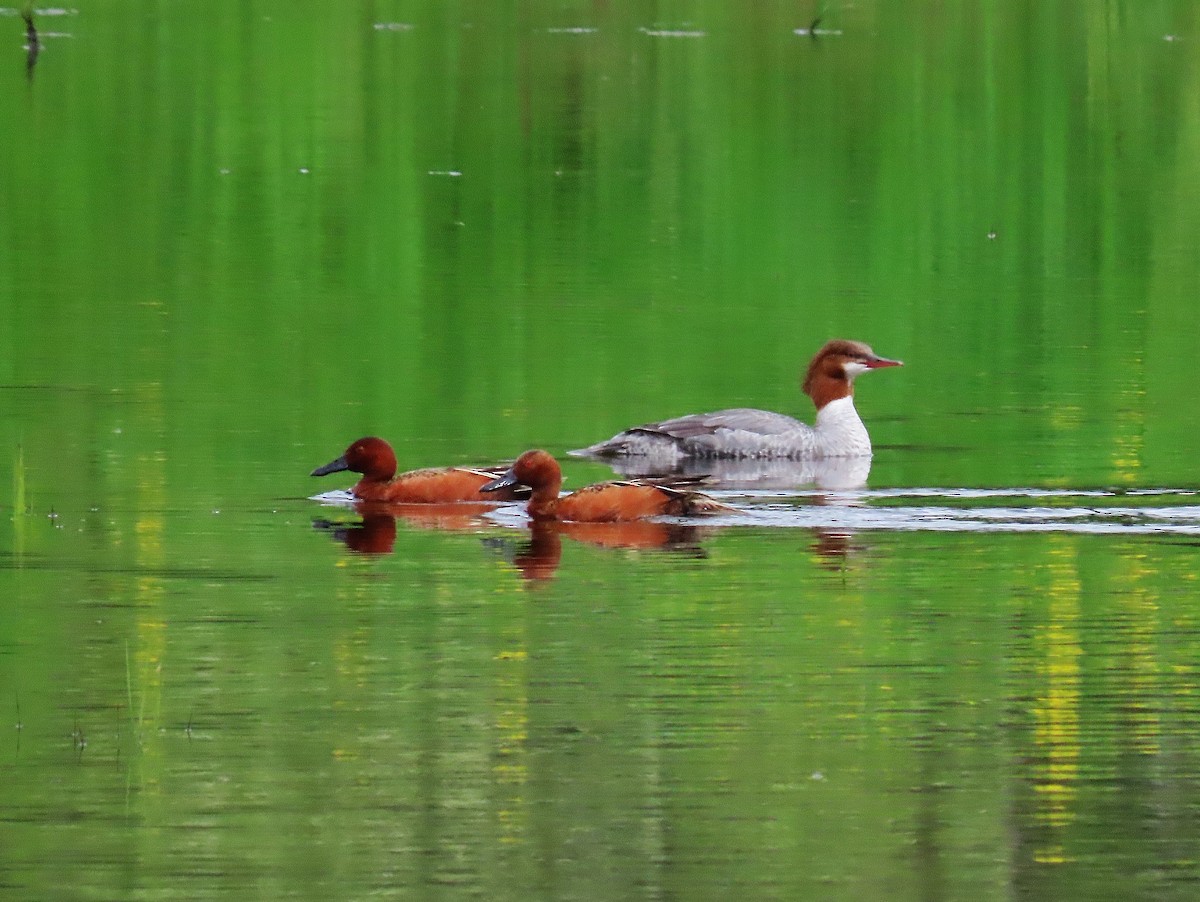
(780, 714)
(236, 237)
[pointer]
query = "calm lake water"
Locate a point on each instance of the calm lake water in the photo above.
(234, 237)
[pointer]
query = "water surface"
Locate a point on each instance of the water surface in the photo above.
(237, 237)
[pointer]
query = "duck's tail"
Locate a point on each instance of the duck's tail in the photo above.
(696, 504)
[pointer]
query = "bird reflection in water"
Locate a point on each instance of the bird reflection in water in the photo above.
(828, 473)
(33, 43)
(833, 548)
(375, 532)
(537, 557)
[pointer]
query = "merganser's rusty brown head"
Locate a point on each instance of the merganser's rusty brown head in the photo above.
(831, 373)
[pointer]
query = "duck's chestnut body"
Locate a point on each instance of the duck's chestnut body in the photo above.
(605, 502)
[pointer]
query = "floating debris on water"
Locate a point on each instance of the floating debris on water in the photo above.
(37, 11)
(673, 32)
(815, 30)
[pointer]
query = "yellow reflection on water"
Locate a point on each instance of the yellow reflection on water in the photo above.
(1129, 443)
(19, 505)
(511, 726)
(144, 662)
(1140, 669)
(1056, 709)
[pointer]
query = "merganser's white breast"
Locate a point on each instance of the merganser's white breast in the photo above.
(744, 432)
(840, 430)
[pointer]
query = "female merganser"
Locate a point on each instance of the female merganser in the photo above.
(743, 432)
(375, 460)
(604, 502)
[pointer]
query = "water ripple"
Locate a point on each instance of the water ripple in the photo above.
(965, 510)
(1172, 511)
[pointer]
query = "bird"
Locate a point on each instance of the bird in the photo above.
(744, 432)
(376, 461)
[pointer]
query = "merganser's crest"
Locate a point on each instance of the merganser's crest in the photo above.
(744, 432)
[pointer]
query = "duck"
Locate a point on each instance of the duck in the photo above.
(604, 502)
(743, 432)
(374, 458)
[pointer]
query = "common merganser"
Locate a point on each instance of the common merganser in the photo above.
(744, 432)
(376, 461)
(604, 502)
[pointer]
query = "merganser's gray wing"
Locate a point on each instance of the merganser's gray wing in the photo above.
(737, 432)
(737, 419)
